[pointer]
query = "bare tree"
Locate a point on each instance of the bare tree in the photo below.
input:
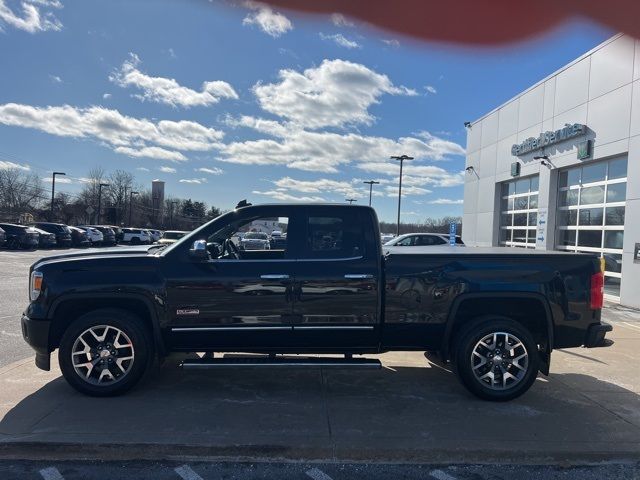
(120, 186)
(20, 192)
(90, 191)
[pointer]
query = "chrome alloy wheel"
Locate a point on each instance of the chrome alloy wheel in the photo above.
(102, 354)
(499, 360)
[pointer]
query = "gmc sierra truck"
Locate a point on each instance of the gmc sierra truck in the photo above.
(495, 314)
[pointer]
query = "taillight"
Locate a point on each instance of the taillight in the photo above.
(597, 291)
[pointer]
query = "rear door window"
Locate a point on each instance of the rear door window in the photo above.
(334, 235)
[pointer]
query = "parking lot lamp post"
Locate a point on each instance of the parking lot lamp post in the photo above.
(131, 194)
(371, 183)
(350, 200)
(401, 158)
(53, 190)
(100, 199)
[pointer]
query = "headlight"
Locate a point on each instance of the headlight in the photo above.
(35, 285)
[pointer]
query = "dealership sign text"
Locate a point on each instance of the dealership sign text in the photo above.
(549, 138)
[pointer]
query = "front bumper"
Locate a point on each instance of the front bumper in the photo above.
(36, 334)
(596, 334)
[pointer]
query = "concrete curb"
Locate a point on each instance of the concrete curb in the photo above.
(272, 453)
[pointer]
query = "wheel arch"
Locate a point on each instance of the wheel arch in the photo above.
(531, 305)
(70, 307)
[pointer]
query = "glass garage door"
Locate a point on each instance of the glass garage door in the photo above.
(590, 218)
(519, 213)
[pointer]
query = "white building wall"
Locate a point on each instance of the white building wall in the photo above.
(601, 89)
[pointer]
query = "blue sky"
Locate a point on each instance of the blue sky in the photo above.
(227, 101)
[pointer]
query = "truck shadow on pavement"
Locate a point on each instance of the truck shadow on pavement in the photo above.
(382, 414)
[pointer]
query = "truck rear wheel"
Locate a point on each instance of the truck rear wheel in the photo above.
(496, 358)
(105, 352)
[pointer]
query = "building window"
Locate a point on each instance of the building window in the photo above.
(591, 207)
(519, 213)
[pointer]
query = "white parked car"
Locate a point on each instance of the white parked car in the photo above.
(255, 241)
(135, 236)
(422, 240)
(94, 235)
(386, 237)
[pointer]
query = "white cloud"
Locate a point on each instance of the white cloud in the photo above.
(270, 127)
(326, 151)
(446, 201)
(136, 137)
(167, 90)
(392, 191)
(106, 96)
(392, 42)
(55, 78)
(430, 89)
(287, 197)
(338, 93)
(210, 171)
(65, 180)
(270, 22)
(36, 16)
(320, 185)
(164, 169)
(339, 20)
(340, 40)
(196, 181)
(6, 165)
(143, 169)
(417, 175)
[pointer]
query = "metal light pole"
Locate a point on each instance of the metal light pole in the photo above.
(371, 183)
(53, 190)
(131, 194)
(401, 158)
(100, 200)
(350, 200)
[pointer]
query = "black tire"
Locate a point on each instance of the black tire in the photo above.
(467, 340)
(139, 336)
(13, 244)
(135, 241)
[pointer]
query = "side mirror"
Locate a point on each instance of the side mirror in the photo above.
(198, 250)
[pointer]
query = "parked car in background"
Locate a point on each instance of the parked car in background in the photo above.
(171, 236)
(108, 234)
(20, 236)
(386, 237)
(60, 230)
(117, 231)
(95, 236)
(3, 237)
(422, 240)
(79, 237)
(255, 241)
(46, 240)
(135, 236)
(156, 235)
(277, 241)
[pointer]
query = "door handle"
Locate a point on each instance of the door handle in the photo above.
(358, 276)
(274, 277)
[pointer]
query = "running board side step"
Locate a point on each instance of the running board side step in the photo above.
(287, 362)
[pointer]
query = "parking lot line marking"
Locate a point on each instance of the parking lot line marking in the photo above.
(187, 473)
(317, 474)
(440, 475)
(632, 325)
(51, 473)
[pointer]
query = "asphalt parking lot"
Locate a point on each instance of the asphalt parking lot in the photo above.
(410, 419)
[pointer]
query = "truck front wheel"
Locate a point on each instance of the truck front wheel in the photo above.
(496, 358)
(105, 352)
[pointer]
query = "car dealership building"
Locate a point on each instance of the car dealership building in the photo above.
(558, 166)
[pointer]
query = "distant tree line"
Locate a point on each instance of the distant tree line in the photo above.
(22, 193)
(428, 225)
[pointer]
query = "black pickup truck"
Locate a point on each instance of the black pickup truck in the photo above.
(332, 288)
